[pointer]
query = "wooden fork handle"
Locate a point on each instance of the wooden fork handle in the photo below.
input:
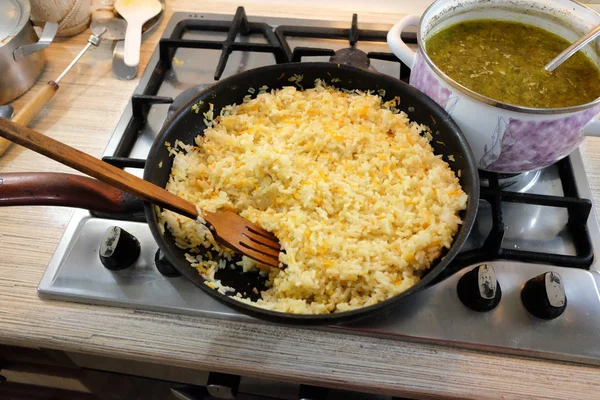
(65, 190)
(92, 166)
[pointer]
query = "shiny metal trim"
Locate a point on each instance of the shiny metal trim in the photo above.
(6, 111)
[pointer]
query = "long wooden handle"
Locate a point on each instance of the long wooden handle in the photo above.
(92, 166)
(31, 109)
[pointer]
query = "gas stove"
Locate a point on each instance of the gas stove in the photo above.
(526, 282)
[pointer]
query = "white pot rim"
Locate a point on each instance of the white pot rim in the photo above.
(487, 100)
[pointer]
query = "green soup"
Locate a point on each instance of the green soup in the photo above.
(505, 61)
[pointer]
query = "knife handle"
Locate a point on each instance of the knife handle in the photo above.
(31, 109)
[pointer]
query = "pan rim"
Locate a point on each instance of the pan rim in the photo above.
(343, 316)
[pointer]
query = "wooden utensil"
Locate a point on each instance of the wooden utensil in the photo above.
(136, 13)
(29, 111)
(229, 228)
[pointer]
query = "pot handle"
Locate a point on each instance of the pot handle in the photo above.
(66, 190)
(50, 29)
(592, 129)
(394, 40)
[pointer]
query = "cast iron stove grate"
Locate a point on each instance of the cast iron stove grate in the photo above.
(350, 55)
(277, 44)
(578, 209)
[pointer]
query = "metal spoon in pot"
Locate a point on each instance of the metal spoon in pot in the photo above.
(572, 49)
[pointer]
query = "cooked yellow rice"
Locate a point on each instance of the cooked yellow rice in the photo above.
(350, 186)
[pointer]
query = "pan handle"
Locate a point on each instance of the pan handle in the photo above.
(66, 190)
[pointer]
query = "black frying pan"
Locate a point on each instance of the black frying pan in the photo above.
(185, 125)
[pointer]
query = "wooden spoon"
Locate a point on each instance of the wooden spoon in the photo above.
(136, 13)
(229, 228)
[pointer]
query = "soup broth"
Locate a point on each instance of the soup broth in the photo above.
(505, 61)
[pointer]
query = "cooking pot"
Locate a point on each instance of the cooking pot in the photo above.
(21, 58)
(503, 137)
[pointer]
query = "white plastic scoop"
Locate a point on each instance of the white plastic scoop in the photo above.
(136, 13)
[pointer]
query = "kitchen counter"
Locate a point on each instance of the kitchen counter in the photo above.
(83, 114)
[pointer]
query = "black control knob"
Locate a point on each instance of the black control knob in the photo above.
(164, 266)
(223, 386)
(312, 393)
(479, 289)
(544, 296)
(119, 249)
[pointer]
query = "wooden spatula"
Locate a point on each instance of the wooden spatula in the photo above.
(229, 228)
(136, 13)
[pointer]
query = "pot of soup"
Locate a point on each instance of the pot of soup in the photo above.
(483, 62)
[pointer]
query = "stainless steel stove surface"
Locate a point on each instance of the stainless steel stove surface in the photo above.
(536, 220)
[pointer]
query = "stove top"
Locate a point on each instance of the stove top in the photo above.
(538, 224)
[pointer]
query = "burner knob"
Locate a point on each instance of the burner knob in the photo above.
(164, 266)
(306, 392)
(544, 296)
(478, 289)
(223, 386)
(119, 249)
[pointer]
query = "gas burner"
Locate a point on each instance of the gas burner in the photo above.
(351, 56)
(516, 182)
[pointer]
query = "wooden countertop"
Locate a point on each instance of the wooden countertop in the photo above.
(83, 114)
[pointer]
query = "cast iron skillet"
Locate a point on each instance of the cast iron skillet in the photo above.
(185, 125)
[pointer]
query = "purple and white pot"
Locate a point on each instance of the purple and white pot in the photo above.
(504, 138)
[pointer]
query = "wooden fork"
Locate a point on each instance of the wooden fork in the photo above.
(229, 229)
